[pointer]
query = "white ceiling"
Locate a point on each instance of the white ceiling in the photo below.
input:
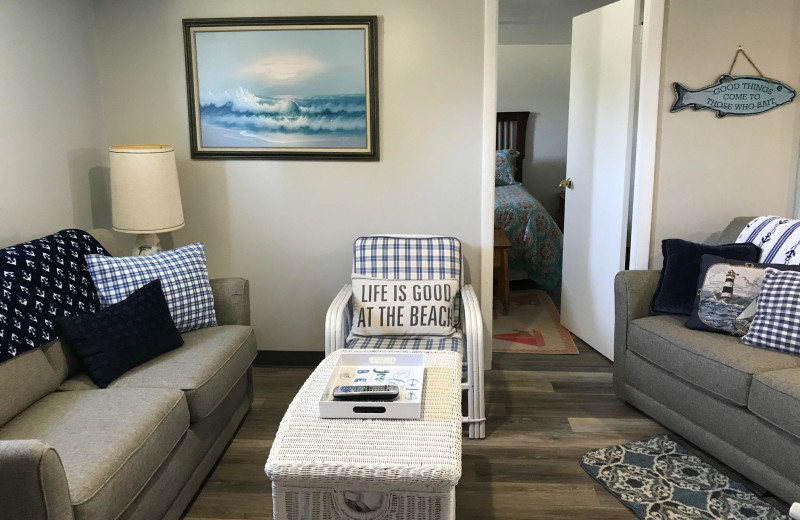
(540, 22)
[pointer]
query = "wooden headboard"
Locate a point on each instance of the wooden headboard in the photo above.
(512, 128)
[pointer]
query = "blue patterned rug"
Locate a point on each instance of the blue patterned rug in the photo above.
(658, 480)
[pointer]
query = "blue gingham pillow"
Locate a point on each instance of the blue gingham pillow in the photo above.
(776, 325)
(184, 279)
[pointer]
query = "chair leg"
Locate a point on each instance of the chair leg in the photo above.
(471, 411)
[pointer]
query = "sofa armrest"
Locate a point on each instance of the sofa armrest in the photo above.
(633, 291)
(33, 484)
(231, 300)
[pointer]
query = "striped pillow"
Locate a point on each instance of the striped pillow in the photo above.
(778, 238)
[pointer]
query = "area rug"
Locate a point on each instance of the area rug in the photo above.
(532, 326)
(658, 479)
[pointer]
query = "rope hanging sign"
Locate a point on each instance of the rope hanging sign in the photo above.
(735, 95)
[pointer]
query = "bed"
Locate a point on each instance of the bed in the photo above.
(536, 240)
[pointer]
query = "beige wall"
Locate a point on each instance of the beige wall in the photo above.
(51, 126)
(709, 170)
(288, 226)
(535, 78)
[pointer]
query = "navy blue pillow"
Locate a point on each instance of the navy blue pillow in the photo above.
(123, 335)
(727, 293)
(677, 286)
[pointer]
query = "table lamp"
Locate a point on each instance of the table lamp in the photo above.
(145, 197)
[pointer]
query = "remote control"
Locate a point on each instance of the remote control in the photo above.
(364, 392)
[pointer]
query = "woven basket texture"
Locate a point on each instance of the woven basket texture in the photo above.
(373, 454)
(327, 504)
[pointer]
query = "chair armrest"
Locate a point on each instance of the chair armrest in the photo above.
(338, 320)
(231, 300)
(33, 484)
(473, 328)
(633, 291)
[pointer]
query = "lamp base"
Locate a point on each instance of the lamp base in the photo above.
(146, 244)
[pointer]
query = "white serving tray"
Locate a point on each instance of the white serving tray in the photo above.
(404, 369)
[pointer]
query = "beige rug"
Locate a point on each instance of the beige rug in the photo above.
(531, 327)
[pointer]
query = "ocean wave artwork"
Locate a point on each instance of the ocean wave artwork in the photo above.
(283, 88)
(241, 118)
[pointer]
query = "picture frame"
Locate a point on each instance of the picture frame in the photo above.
(296, 88)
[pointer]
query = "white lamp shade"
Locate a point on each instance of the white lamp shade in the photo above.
(145, 196)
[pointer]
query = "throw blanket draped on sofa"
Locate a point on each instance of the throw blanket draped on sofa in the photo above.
(42, 279)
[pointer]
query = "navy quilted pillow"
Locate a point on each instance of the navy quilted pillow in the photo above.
(123, 335)
(677, 286)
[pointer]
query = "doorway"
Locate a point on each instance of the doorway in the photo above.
(536, 74)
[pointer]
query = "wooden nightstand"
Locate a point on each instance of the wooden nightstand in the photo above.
(501, 245)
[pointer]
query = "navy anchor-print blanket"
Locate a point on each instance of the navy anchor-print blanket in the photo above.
(42, 279)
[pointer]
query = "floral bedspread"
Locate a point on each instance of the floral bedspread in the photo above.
(536, 240)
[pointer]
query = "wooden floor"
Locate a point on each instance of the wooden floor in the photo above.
(543, 412)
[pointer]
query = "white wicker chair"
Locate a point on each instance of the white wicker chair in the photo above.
(417, 257)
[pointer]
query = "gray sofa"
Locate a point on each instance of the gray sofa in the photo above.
(139, 449)
(738, 403)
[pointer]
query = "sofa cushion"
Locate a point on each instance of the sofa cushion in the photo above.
(24, 380)
(775, 397)
(63, 360)
(719, 364)
(206, 367)
(110, 441)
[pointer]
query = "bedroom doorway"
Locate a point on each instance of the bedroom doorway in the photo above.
(602, 118)
(611, 160)
(533, 56)
(540, 144)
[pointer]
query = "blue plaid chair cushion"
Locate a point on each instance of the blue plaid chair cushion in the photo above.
(184, 279)
(454, 343)
(776, 325)
(409, 258)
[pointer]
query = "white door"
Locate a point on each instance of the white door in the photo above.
(603, 86)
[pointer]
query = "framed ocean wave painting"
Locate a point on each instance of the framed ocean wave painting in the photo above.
(282, 88)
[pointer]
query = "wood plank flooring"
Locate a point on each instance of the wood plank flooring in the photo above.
(543, 413)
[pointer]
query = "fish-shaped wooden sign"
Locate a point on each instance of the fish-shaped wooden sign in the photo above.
(734, 96)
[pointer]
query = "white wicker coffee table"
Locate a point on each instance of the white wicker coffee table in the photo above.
(387, 469)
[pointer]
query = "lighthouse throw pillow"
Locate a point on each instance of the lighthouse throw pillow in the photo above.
(727, 294)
